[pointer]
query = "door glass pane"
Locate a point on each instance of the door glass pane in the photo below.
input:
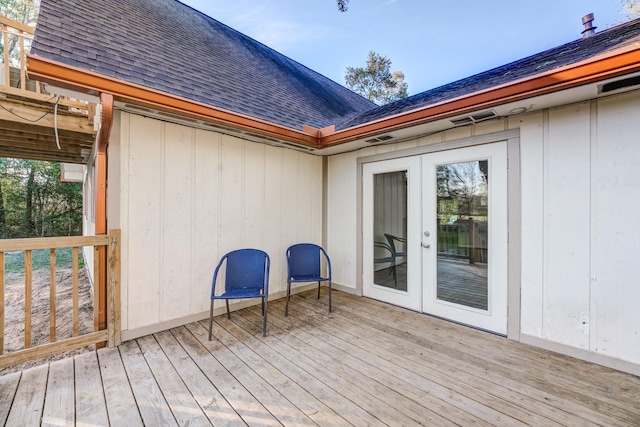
(463, 225)
(390, 229)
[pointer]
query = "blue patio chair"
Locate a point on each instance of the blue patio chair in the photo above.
(246, 276)
(304, 265)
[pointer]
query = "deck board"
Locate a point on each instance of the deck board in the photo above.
(121, 405)
(521, 363)
(8, 386)
(213, 404)
(26, 409)
(89, 391)
(367, 363)
(153, 407)
(59, 402)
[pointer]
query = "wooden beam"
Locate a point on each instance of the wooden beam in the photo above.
(52, 242)
(28, 115)
(65, 149)
(17, 25)
(52, 348)
(45, 156)
(34, 97)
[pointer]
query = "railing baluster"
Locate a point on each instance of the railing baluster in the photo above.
(1, 302)
(52, 295)
(75, 292)
(27, 246)
(23, 62)
(96, 288)
(7, 66)
(28, 267)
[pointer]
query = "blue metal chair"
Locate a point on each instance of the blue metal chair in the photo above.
(304, 265)
(246, 276)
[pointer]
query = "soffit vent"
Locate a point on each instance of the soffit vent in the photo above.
(475, 118)
(379, 139)
(620, 84)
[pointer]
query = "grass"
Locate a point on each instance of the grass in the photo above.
(14, 261)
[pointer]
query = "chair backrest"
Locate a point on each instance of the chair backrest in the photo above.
(389, 257)
(245, 269)
(392, 244)
(303, 259)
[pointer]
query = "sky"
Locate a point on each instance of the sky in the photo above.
(433, 42)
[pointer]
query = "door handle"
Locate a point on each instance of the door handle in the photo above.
(426, 245)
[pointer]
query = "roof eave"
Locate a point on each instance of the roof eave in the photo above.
(81, 80)
(619, 62)
(613, 64)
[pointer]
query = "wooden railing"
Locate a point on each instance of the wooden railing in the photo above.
(16, 39)
(109, 335)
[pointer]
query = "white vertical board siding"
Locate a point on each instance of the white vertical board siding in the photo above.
(532, 217)
(145, 158)
(566, 316)
(272, 236)
(342, 212)
(206, 214)
(616, 283)
(177, 210)
(189, 196)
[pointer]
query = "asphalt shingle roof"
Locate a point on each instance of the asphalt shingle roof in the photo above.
(567, 54)
(170, 47)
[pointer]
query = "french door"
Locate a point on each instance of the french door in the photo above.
(391, 242)
(435, 234)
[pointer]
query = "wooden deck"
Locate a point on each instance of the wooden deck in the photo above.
(367, 363)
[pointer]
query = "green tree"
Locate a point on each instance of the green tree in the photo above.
(35, 203)
(631, 7)
(343, 5)
(376, 81)
(25, 12)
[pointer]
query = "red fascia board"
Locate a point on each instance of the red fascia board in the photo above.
(66, 76)
(598, 68)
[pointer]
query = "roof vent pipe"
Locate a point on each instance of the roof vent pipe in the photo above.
(589, 29)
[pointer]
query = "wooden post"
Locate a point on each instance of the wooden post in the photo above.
(106, 101)
(113, 289)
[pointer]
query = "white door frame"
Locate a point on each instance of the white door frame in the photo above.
(512, 137)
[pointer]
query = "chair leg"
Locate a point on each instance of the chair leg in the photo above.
(329, 296)
(318, 290)
(286, 305)
(210, 319)
(264, 316)
(228, 313)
